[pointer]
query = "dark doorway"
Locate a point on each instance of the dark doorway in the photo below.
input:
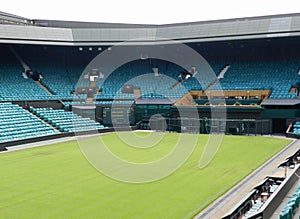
(279, 125)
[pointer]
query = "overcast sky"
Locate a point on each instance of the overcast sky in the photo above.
(146, 12)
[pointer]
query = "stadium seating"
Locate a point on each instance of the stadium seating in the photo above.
(13, 85)
(262, 75)
(62, 74)
(59, 80)
(164, 85)
(140, 74)
(296, 128)
(240, 76)
(292, 205)
(17, 123)
(60, 69)
(66, 121)
(253, 209)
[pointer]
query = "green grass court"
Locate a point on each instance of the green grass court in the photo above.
(57, 181)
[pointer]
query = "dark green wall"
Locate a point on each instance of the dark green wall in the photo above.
(280, 113)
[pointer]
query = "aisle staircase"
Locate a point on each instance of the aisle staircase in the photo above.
(44, 87)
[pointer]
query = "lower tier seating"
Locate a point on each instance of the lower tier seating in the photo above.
(292, 205)
(66, 121)
(17, 123)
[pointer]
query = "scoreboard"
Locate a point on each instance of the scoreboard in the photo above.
(117, 115)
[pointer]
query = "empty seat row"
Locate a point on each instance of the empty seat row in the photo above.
(263, 75)
(17, 124)
(254, 209)
(66, 121)
(290, 208)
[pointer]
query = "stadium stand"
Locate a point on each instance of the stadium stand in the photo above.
(256, 76)
(66, 121)
(62, 76)
(291, 207)
(266, 197)
(60, 72)
(251, 65)
(293, 129)
(250, 71)
(296, 128)
(13, 85)
(264, 193)
(17, 123)
(139, 73)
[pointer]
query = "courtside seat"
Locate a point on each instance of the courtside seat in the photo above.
(254, 209)
(289, 210)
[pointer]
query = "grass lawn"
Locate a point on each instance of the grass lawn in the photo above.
(57, 181)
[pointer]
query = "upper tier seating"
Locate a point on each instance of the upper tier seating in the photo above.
(62, 71)
(13, 86)
(66, 121)
(60, 80)
(16, 123)
(140, 74)
(278, 76)
(60, 68)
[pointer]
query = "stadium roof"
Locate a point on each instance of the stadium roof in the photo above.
(25, 31)
(6, 18)
(78, 24)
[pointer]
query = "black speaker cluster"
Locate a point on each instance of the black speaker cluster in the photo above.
(33, 74)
